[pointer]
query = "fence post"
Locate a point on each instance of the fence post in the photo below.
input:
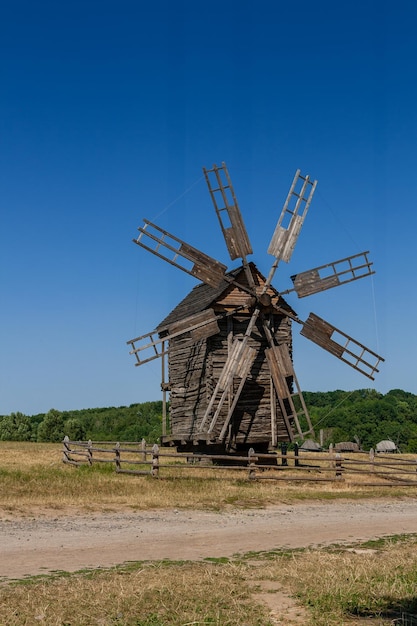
(143, 448)
(155, 461)
(89, 452)
(284, 460)
(251, 463)
(66, 451)
(117, 457)
(372, 458)
(338, 464)
(296, 461)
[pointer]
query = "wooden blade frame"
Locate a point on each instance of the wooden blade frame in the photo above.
(228, 212)
(244, 366)
(332, 275)
(349, 351)
(199, 264)
(152, 342)
(197, 327)
(234, 363)
(234, 366)
(292, 217)
(282, 371)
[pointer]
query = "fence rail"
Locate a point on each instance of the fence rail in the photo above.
(142, 459)
(407, 619)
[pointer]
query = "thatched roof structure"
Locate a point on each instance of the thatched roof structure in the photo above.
(309, 445)
(346, 446)
(386, 445)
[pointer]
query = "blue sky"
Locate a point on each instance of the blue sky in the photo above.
(108, 112)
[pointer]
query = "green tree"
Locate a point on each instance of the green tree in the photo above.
(15, 427)
(52, 427)
(74, 429)
(342, 415)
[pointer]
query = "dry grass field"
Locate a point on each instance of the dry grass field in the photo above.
(364, 585)
(352, 585)
(34, 477)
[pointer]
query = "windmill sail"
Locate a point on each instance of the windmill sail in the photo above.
(236, 365)
(348, 350)
(292, 217)
(228, 212)
(332, 275)
(198, 326)
(193, 261)
(283, 375)
(244, 366)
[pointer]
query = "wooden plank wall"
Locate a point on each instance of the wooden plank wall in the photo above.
(194, 369)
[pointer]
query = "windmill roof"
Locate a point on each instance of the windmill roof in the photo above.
(202, 296)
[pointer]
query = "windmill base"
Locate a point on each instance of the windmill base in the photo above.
(203, 447)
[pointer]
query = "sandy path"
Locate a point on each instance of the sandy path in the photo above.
(39, 545)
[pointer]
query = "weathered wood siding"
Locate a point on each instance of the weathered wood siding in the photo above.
(194, 369)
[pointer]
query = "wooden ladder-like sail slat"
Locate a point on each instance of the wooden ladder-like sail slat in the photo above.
(198, 326)
(332, 275)
(227, 211)
(292, 217)
(244, 366)
(164, 245)
(150, 342)
(341, 345)
(239, 354)
(282, 374)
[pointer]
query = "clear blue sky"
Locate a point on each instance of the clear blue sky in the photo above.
(108, 112)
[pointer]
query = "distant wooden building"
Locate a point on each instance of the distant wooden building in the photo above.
(386, 446)
(309, 445)
(347, 446)
(197, 359)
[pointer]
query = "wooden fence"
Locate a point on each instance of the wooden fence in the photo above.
(358, 468)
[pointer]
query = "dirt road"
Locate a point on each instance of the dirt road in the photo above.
(37, 545)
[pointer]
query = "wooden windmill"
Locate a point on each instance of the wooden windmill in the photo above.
(228, 344)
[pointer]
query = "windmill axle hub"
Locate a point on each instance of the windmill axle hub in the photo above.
(264, 300)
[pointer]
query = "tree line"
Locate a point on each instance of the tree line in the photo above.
(363, 415)
(123, 423)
